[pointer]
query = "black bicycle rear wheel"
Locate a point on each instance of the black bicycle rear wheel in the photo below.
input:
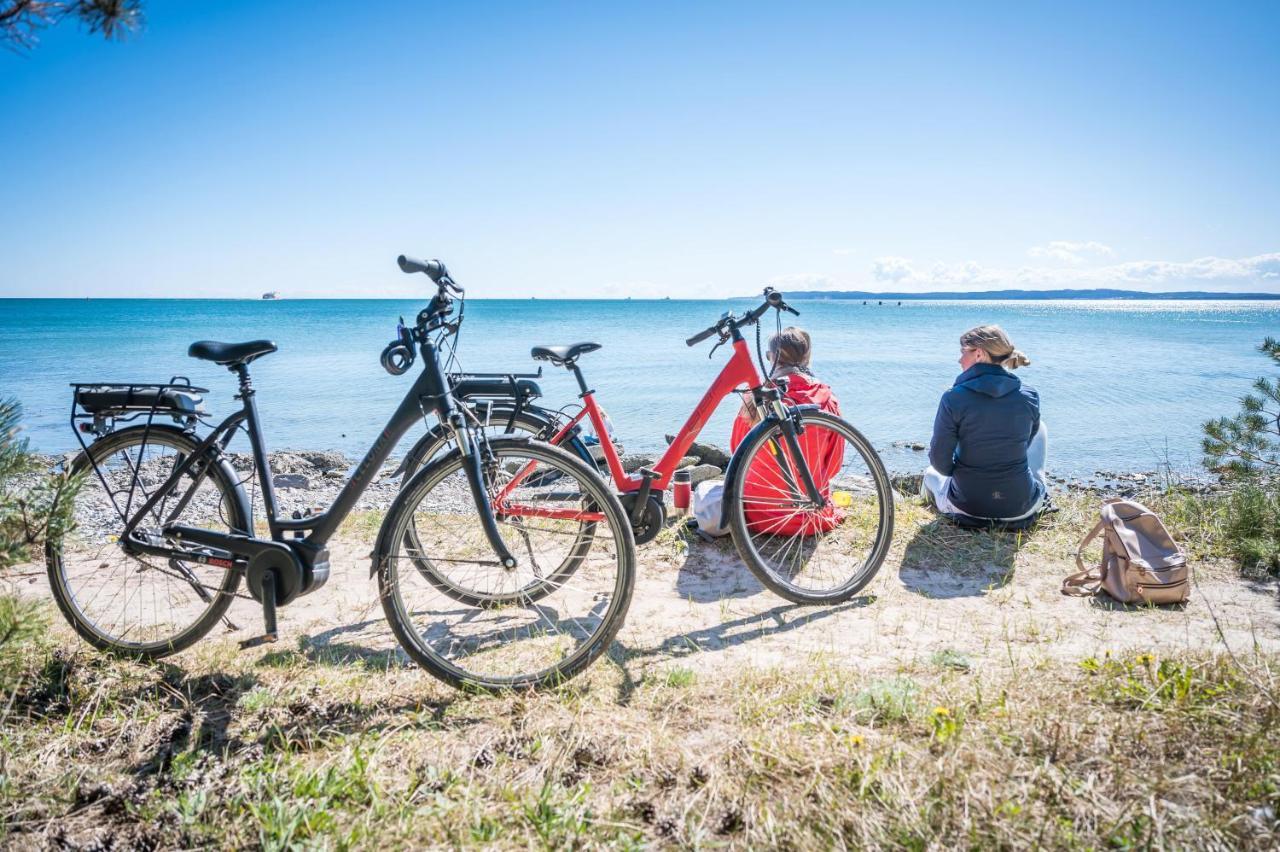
(140, 605)
(811, 554)
(500, 424)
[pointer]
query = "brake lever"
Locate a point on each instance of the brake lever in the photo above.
(721, 342)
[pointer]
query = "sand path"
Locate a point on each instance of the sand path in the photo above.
(696, 603)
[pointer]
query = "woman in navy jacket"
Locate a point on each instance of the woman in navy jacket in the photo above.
(987, 456)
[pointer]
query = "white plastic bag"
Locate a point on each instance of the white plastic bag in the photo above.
(708, 506)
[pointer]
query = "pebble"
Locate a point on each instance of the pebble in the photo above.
(290, 480)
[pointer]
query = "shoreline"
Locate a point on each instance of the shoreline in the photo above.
(307, 478)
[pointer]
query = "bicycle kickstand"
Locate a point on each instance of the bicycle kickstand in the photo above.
(270, 634)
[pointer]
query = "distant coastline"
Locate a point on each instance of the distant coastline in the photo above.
(1032, 295)
(832, 295)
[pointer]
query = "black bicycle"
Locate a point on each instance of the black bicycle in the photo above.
(164, 531)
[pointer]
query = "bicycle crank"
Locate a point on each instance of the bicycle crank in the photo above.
(647, 523)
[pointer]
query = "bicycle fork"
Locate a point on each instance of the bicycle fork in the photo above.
(789, 456)
(473, 464)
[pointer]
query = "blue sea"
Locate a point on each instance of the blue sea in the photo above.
(1124, 385)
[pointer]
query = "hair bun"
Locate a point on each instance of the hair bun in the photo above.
(1015, 359)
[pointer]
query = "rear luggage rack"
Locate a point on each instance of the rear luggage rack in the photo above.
(516, 386)
(96, 406)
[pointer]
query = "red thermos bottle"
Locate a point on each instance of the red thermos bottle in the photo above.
(681, 489)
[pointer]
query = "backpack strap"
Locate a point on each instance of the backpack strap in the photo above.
(1085, 582)
(1082, 584)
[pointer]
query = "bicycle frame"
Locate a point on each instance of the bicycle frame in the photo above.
(739, 370)
(430, 393)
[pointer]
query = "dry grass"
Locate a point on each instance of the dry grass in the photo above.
(286, 749)
(311, 746)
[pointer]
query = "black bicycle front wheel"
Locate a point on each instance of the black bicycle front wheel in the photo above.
(139, 605)
(802, 551)
(472, 622)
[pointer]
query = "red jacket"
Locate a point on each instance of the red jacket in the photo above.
(764, 487)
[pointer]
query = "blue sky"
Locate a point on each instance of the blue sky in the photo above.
(681, 149)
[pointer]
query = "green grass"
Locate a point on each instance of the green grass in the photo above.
(679, 677)
(888, 700)
(949, 658)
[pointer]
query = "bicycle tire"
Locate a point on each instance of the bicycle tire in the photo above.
(414, 642)
(535, 591)
(744, 538)
(231, 505)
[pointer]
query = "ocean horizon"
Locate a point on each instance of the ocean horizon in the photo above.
(1125, 384)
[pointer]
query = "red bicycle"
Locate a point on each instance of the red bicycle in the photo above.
(806, 496)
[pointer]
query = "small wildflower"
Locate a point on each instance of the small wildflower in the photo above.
(1146, 659)
(856, 740)
(941, 712)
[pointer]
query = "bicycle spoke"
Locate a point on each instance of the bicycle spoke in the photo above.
(139, 603)
(474, 619)
(806, 552)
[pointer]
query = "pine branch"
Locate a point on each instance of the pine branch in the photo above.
(22, 20)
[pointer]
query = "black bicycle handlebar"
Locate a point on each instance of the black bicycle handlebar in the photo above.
(772, 300)
(434, 269)
(702, 335)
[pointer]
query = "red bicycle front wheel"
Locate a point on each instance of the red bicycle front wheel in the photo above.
(804, 552)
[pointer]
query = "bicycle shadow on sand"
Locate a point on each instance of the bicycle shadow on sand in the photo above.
(777, 621)
(712, 571)
(329, 647)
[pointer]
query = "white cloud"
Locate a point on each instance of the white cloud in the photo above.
(805, 281)
(1260, 272)
(893, 269)
(1067, 251)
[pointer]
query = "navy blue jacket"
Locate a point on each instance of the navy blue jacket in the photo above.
(980, 437)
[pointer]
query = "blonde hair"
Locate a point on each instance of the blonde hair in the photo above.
(992, 340)
(791, 347)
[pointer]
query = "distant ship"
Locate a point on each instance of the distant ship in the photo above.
(271, 295)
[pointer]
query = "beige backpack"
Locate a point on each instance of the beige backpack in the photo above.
(1140, 562)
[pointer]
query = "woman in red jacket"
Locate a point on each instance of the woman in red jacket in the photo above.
(791, 351)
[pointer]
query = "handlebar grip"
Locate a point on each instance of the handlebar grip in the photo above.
(700, 336)
(433, 268)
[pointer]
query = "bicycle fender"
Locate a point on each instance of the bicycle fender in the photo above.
(731, 472)
(414, 456)
(437, 433)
